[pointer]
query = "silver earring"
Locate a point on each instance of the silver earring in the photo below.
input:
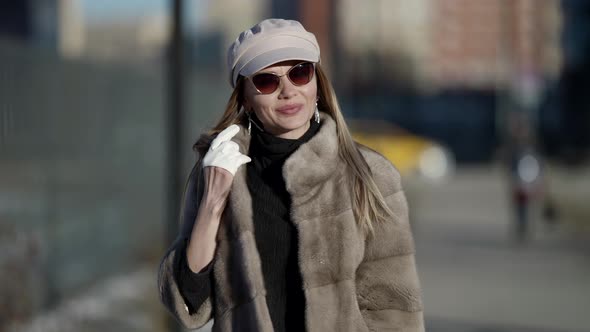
(317, 113)
(249, 123)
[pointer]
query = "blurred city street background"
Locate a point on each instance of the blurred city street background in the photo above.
(482, 105)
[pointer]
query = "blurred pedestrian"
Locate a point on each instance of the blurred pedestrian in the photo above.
(313, 232)
(526, 176)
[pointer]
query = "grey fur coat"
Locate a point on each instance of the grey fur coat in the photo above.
(351, 282)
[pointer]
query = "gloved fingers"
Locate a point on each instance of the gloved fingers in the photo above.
(228, 160)
(238, 158)
(243, 159)
(229, 147)
(225, 136)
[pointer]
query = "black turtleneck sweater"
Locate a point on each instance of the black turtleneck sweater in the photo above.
(276, 236)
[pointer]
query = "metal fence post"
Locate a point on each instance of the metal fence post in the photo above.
(174, 129)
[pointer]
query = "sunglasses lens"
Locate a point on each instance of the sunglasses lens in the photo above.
(266, 83)
(301, 74)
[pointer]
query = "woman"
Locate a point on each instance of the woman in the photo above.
(312, 233)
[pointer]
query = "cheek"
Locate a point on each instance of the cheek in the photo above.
(311, 95)
(311, 90)
(262, 103)
(262, 106)
(255, 101)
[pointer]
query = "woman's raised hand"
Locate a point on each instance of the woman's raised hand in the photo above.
(224, 153)
(219, 166)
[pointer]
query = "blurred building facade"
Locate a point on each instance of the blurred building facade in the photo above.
(482, 43)
(31, 21)
(212, 26)
(141, 40)
(383, 41)
(71, 28)
(60, 26)
(56, 25)
(451, 43)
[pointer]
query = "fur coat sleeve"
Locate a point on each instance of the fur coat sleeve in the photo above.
(388, 289)
(169, 291)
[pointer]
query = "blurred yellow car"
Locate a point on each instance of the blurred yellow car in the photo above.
(413, 155)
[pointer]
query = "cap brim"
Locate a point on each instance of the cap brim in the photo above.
(275, 56)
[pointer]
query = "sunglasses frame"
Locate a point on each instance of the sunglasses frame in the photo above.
(280, 76)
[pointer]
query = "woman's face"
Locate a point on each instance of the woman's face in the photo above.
(286, 112)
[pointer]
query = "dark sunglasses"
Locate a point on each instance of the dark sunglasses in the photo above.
(299, 75)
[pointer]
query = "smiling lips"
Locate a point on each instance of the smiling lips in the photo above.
(290, 109)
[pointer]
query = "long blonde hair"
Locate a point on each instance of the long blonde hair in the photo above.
(368, 202)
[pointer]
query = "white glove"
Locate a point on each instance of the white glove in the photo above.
(224, 153)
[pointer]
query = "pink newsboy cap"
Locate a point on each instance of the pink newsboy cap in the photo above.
(269, 42)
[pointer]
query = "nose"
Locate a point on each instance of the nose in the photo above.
(287, 89)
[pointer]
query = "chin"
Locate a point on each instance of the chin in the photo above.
(293, 125)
